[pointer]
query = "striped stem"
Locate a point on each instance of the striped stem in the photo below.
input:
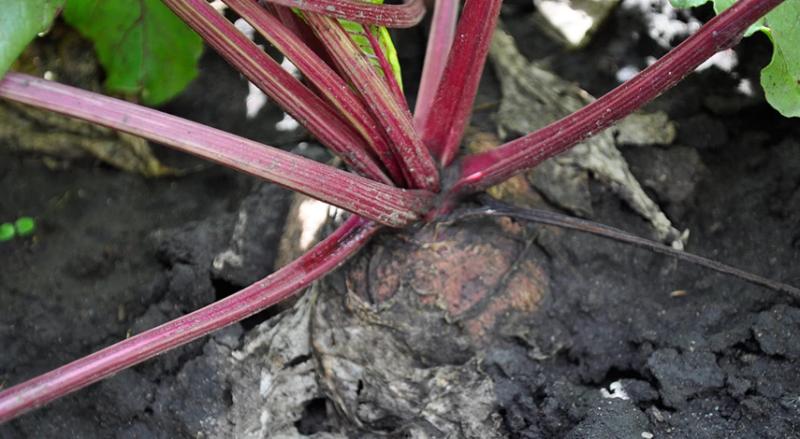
(320, 260)
(419, 168)
(406, 15)
(385, 204)
(335, 90)
(304, 105)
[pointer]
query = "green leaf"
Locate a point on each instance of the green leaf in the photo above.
(145, 49)
(781, 78)
(358, 34)
(20, 22)
(780, 86)
(25, 226)
(7, 232)
(686, 4)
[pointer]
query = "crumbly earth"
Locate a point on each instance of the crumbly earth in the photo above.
(487, 327)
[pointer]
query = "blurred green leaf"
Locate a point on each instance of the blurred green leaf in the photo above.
(25, 226)
(145, 49)
(20, 22)
(7, 232)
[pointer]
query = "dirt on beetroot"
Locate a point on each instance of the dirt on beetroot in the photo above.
(609, 342)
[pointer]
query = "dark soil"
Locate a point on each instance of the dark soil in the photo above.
(626, 344)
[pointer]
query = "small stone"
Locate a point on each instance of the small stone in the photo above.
(575, 21)
(682, 375)
(611, 418)
(673, 174)
(641, 129)
(776, 331)
(639, 390)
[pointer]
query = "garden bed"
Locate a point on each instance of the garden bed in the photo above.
(618, 342)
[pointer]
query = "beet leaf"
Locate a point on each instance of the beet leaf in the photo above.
(145, 49)
(20, 22)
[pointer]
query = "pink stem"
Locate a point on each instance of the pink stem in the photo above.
(457, 89)
(301, 29)
(386, 67)
(408, 14)
(419, 168)
(443, 30)
(385, 204)
(306, 107)
(483, 170)
(320, 260)
(329, 83)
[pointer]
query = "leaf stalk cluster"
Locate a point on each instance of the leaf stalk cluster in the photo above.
(356, 111)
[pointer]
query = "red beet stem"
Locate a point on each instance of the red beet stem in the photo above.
(483, 170)
(298, 100)
(328, 82)
(440, 39)
(453, 102)
(408, 14)
(386, 67)
(417, 163)
(385, 204)
(320, 260)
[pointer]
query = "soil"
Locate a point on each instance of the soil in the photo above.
(614, 342)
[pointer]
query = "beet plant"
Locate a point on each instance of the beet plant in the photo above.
(404, 169)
